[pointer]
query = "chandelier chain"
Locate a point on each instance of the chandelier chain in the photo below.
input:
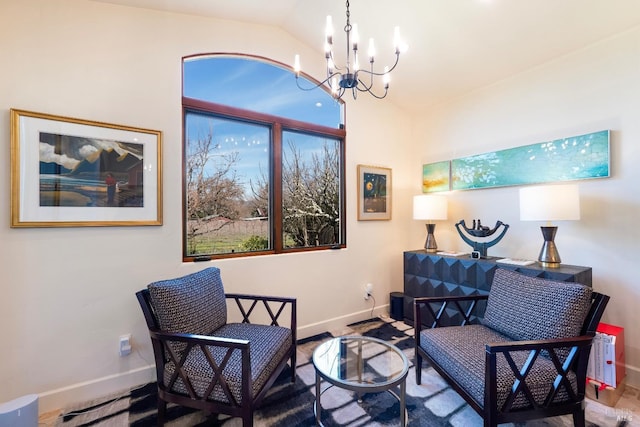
(347, 27)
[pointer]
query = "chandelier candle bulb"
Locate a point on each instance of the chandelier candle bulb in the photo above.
(372, 50)
(355, 37)
(296, 65)
(329, 30)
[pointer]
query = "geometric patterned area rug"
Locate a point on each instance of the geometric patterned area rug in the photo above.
(431, 404)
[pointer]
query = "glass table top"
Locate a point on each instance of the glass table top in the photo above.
(360, 361)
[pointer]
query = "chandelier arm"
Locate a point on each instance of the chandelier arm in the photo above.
(373, 73)
(362, 86)
(335, 67)
(371, 92)
(326, 81)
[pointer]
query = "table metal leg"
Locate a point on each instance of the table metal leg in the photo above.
(318, 406)
(360, 367)
(403, 411)
(360, 362)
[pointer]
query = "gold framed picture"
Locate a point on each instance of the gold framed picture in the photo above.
(374, 193)
(69, 172)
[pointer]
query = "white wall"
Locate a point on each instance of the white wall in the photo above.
(596, 88)
(68, 293)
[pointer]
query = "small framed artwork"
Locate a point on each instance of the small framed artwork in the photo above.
(69, 172)
(374, 193)
(436, 176)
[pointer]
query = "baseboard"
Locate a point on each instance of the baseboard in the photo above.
(341, 321)
(633, 376)
(94, 389)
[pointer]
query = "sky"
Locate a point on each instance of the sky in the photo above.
(258, 86)
(74, 149)
(254, 85)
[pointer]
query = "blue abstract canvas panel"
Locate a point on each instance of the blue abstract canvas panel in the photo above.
(567, 159)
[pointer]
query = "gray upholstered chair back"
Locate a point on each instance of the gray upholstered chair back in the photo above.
(192, 304)
(531, 308)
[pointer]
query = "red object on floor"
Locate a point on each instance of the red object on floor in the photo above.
(617, 362)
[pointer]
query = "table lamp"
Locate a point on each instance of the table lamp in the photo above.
(549, 203)
(430, 208)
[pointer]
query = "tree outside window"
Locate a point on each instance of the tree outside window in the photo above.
(256, 182)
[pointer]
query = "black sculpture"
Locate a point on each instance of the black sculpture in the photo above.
(479, 230)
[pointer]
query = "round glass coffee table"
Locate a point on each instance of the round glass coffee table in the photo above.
(361, 364)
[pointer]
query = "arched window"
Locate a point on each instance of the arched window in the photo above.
(263, 161)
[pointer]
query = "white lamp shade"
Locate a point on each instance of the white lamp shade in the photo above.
(550, 203)
(429, 207)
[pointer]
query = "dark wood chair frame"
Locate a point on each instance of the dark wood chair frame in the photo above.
(576, 361)
(165, 353)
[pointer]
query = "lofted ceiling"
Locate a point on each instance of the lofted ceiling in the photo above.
(454, 46)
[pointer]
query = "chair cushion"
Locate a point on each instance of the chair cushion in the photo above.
(192, 304)
(268, 345)
(530, 308)
(460, 351)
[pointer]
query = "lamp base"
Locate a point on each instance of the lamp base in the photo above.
(549, 256)
(430, 244)
(550, 264)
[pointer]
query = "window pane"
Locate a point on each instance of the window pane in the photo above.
(264, 176)
(258, 86)
(310, 190)
(227, 176)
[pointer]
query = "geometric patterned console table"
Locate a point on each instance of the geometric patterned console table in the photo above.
(428, 274)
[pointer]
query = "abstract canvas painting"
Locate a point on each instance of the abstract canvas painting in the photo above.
(435, 176)
(566, 159)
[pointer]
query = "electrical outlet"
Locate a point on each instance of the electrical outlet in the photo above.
(125, 345)
(368, 290)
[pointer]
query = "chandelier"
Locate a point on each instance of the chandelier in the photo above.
(351, 76)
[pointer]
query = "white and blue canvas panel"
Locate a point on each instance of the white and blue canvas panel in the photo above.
(568, 159)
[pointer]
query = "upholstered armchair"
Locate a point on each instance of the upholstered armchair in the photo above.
(205, 362)
(524, 358)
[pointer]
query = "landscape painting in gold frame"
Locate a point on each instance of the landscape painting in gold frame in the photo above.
(374, 193)
(68, 172)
